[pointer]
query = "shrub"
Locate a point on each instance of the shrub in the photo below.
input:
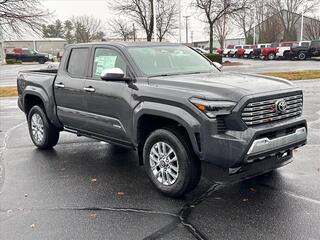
(214, 57)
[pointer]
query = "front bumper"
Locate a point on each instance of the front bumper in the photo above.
(236, 148)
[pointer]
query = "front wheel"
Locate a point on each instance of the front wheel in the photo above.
(170, 162)
(43, 134)
(271, 56)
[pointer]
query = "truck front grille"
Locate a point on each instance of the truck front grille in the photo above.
(272, 110)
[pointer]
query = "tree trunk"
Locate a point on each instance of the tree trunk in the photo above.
(211, 38)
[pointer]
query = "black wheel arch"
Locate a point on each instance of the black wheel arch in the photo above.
(160, 116)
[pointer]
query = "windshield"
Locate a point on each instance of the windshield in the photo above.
(169, 60)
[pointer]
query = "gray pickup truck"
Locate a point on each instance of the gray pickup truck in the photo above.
(183, 116)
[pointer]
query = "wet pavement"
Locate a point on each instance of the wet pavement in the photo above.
(86, 189)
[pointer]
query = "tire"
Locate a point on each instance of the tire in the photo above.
(287, 56)
(42, 61)
(43, 134)
(182, 174)
(271, 56)
(302, 56)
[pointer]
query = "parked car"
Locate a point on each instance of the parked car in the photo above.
(283, 51)
(258, 49)
(220, 51)
(183, 116)
(269, 53)
(227, 50)
(233, 52)
(28, 55)
(305, 50)
(248, 51)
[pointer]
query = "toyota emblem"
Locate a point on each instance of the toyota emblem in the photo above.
(281, 106)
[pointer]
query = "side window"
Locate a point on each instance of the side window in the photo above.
(78, 62)
(105, 59)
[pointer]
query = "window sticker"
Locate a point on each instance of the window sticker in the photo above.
(103, 63)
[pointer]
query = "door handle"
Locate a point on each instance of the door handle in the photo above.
(89, 89)
(59, 85)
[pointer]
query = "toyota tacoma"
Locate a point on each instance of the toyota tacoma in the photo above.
(182, 114)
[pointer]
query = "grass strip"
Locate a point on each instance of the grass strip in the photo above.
(295, 75)
(8, 91)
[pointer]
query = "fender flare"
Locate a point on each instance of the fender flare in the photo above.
(49, 106)
(189, 122)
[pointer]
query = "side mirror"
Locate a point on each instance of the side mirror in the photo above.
(112, 74)
(218, 65)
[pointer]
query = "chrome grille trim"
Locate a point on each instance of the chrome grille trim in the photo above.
(266, 111)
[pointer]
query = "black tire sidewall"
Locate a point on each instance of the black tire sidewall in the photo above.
(303, 54)
(183, 156)
(45, 140)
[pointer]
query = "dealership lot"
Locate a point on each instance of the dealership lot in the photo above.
(85, 189)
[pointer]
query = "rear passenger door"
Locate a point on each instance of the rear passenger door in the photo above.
(68, 88)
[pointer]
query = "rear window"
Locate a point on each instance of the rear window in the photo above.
(78, 62)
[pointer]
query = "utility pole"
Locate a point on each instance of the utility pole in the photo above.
(254, 24)
(134, 32)
(191, 36)
(187, 18)
(179, 9)
(154, 21)
(301, 33)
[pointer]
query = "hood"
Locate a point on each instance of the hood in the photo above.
(221, 85)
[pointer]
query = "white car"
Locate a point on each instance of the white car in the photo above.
(283, 51)
(233, 51)
(248, 50)
(227, 50)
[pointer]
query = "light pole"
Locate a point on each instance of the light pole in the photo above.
(179, 9)
(254, 24)
(154, 21)
(301, 33)
(187, 18)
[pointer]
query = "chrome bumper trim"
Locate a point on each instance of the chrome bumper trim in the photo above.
(265, 144)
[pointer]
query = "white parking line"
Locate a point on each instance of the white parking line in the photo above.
(302, 197)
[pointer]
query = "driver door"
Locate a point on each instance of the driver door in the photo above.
(107, 102)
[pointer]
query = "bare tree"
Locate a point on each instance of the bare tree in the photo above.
(288, 10)
(166, 18)
(87, 29)
(221, 30)
(140, 11)
(18, 15)
(121, 28)
(244, 19)
(213, 10)
(312, 28)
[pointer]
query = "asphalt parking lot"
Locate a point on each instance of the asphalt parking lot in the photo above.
(85, 189)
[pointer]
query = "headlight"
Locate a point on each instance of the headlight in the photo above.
(213, 108)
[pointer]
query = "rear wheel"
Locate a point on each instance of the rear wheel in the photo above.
(170, 162)
(43, 134)
(287, 56)
(42, 61)
(302, 56)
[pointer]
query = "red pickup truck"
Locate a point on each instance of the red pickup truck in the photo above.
(276, 50)
(270, 52)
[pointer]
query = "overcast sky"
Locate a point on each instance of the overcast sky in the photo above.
(64, 9)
